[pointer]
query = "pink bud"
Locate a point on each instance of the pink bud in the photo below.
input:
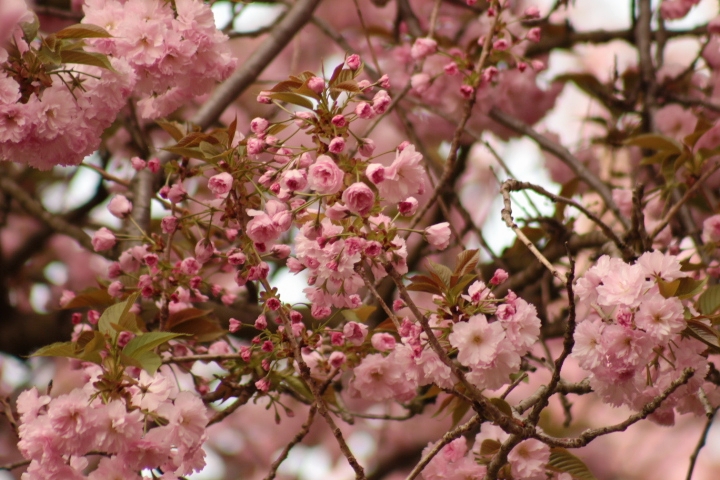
(408, 207)
(103, 239)
(534, 34)
(339, 121)
(353, 62)
(337, 145)
(120, 206)
(316, 84)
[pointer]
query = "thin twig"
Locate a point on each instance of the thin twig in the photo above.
(564, 155)
(589, 435)
(700, 444)
(14, 465)
(296, 439)
(447, 438)
(678, 205)
(557, 198)
(507, 217)
(35, 208)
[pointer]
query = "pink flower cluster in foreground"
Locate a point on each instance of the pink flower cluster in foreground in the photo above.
(628, 336)
(151, 426)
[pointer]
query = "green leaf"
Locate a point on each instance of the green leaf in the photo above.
(115, 314)
(502, 405)
(30, 29)
(668, 289)
(293, 98)
(147, 342)
(58, 349)
(690, 287)
(175, 129)
(704, 333)
(709, 301)
(349, 86)
(466, 262)
(459, 412)
(563, 461)
(92, 349)
(182, 316)
(443, 272)
(83, 30)
(86, 58)
(652, 141)
(203, 329)
(298, 386)
(148, 361)
(489, 447)
(90, 298)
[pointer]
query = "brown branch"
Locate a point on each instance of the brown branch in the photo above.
(447, 438)
(296, 439)
(35, 208)
(571, 38)
(627, 251)
(14, 465)
(700, 444)
(589, 435)
(564, 155)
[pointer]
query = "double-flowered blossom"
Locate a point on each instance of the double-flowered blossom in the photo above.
(629, 334)
(55, 433)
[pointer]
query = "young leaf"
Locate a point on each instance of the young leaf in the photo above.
(148, 361)
(466, 262)
(502, 405)
(293, 98)
(689, 287)
(489, 447)
(115, 314)
(709, 301)
(86, 58)
(176, 130)
(704, 333)
(90, 298)
(563, 461)
(83, 30)
(147, 342)
(655, 142)
(58, 349)
(442, 272)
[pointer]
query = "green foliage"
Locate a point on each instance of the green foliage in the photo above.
(562, 460)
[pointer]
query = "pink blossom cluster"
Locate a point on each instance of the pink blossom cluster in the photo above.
(629, 335)
(176, 55)
(57, 118)
(490, 349)
(151, 426)
(456, 461)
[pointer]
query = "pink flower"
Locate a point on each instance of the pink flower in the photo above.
(336, 359)
(364, 110)
(381, 102)
(177, 193)
(420, 83)
(355, 333)
(324, 176)
(316, 84)
(375, 172)
(294, 180)
(533, 34)
(476, 340)
(405, 177)
(169, 224)
(120, 206)
(383, 342)
(258, 125)
(358, 198)
(353, 62)
(499, 277)
(408, 207)
(438, 235)
(337, 145)
(103, 239)
(138, 163)
(366, 147)
(261, 229)
(529, 458)
(153, 165)
(422, 48)
(235, 325)
(339, 121)
(220, 184)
